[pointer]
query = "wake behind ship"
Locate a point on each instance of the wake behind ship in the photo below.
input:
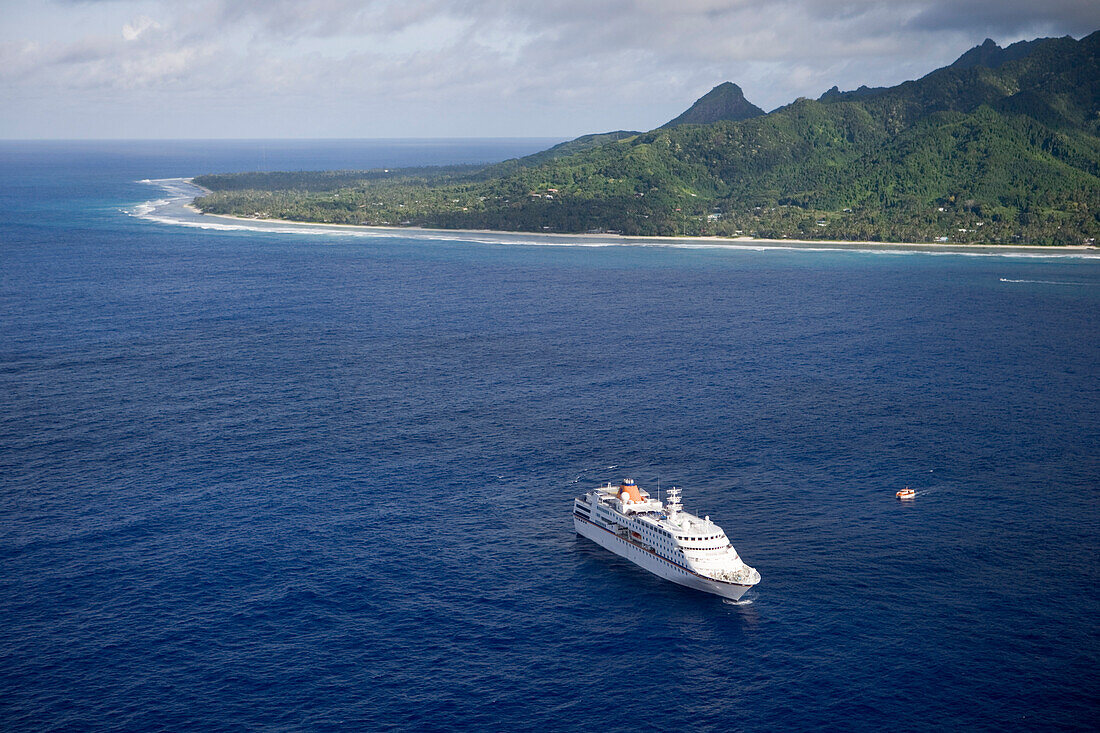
(663, 538)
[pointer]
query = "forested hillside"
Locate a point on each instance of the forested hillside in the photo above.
(1002, 146)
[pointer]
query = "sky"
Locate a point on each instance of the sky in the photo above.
(75, 69)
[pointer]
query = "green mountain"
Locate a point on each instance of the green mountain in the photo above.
(725, 102)
(990, 55)
(1001, 146)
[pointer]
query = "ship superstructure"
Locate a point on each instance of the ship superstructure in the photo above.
(663, 538)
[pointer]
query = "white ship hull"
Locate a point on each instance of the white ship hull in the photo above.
(654, 563)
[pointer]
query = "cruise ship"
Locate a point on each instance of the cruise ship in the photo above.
(663, 538)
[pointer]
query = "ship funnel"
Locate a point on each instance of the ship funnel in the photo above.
(630, 492)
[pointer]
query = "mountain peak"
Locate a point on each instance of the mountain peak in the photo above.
(990, 55)
(725, 102)
(834, 94)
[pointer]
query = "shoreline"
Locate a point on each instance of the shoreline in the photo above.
(707, 241)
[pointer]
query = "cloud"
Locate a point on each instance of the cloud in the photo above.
(133, 31)
(478, 66)
(1054, 17)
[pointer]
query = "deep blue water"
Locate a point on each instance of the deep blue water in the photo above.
(272, 481)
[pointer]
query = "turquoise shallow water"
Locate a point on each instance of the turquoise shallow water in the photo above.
(282, 481)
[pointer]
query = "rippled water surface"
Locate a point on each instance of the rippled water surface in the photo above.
(274, 480)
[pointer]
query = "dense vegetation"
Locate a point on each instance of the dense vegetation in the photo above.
(1003, 146)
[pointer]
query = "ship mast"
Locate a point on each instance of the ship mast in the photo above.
(673, 505)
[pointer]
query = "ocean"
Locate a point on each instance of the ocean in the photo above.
(292, 480)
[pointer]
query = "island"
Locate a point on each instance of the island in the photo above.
(1000, 147)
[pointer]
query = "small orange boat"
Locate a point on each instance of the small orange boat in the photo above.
(906, 493)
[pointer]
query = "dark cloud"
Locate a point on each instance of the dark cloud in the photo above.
(1055, 17)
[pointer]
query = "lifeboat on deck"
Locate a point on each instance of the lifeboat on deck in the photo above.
(906, 493)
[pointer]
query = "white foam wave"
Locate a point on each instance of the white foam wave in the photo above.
(143, 210)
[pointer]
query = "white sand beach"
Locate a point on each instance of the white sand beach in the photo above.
(182, 191)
